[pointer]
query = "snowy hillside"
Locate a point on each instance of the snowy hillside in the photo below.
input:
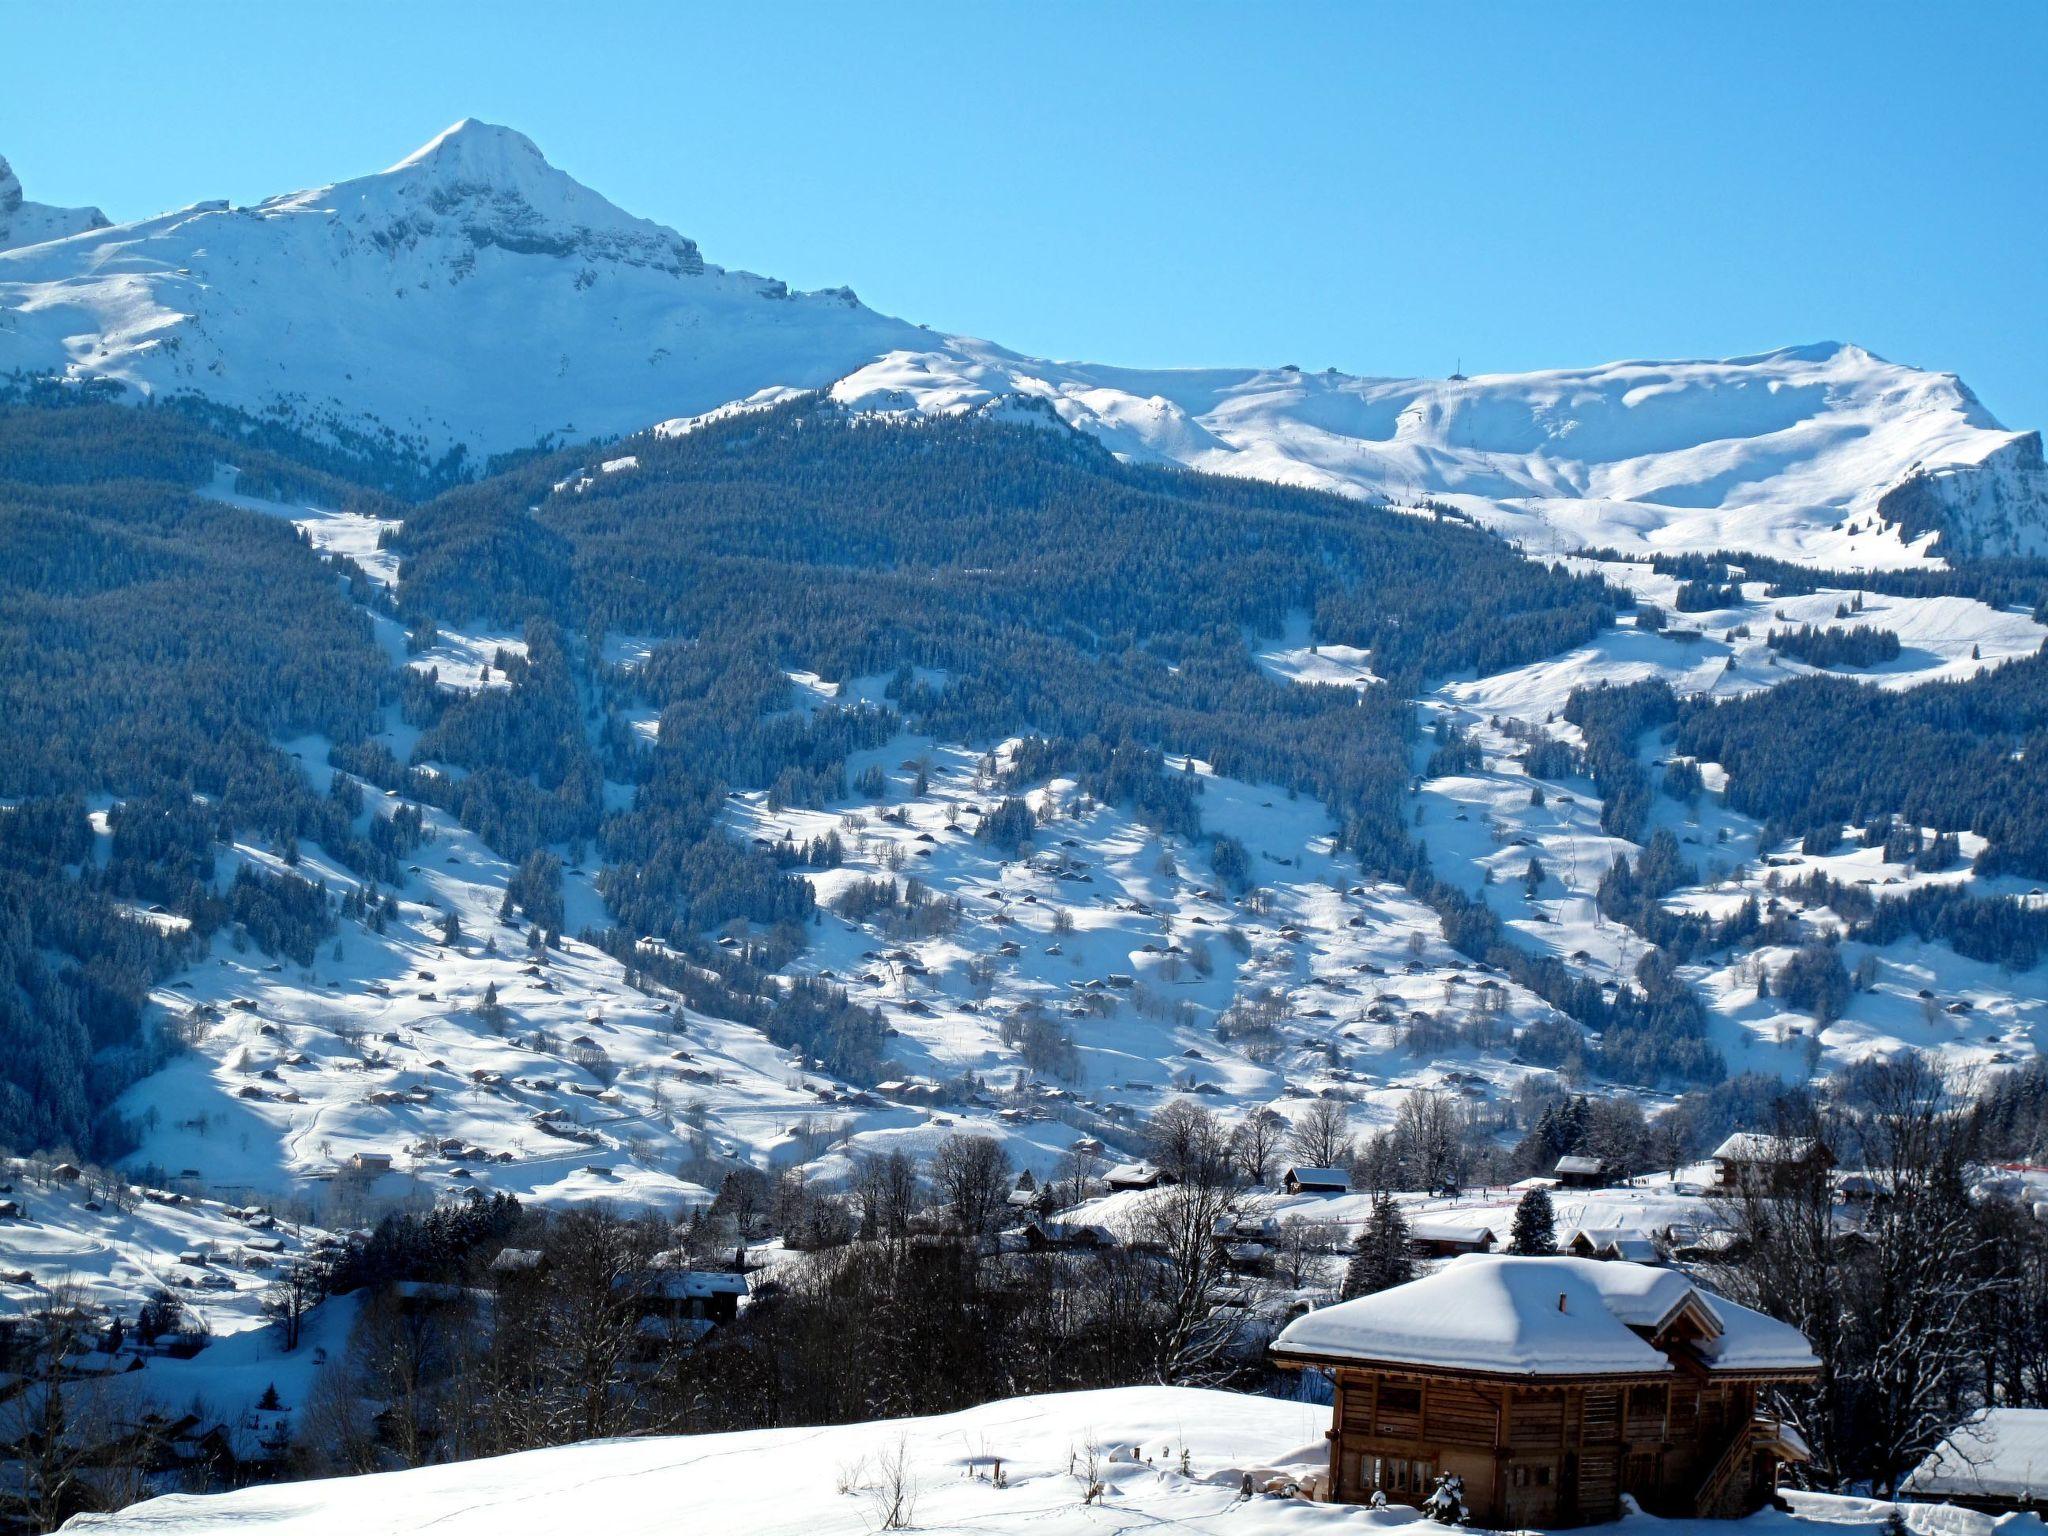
(556, 1075)
(1163, 1456)
(99, 1241)
(472, 294)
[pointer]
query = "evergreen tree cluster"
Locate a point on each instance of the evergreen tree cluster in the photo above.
(1859, 645)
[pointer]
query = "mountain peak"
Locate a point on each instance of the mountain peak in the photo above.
(474, 150)
(476, 185)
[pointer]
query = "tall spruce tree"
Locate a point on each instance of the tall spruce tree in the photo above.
(1535, 1230)
(1380, 1258)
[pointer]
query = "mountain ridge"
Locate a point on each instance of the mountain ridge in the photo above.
(473, 295)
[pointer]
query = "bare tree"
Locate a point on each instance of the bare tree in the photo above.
(971, 1175)
(1185, 1140)
(1304, 1252)
(287, 1300)
(73, 1443)
(1256, 1143)
(885, 1189)
(1429, 1138)
(1176, 1231)
(1321, 1138)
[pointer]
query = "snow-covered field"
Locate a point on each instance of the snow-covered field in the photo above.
(1165, 1458)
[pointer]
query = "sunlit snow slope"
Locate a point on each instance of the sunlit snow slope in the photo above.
(473, 294)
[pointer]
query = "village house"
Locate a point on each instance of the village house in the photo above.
(1575, 1170)
(1137, 1176)
(1317, 1181)
(1551, 1387)
(682, 1303)
(1753, 1158)
(1995, 1461)
(1448, 1239)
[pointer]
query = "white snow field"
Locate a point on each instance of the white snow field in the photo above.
(1167, 1458)
(472, 294)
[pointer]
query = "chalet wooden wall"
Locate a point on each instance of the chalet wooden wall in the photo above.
(1536, 1455)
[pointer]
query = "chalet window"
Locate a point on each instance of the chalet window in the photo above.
(1528, 1476)
(1399, 1476)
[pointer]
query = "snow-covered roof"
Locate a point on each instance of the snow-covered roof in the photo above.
(1450, 1229)
(1574, 1162)
(1134, 1175)
(1321, 1178)
(1999, 1453)
(1760, 1147)
(684, 1284)
(1542, 1317)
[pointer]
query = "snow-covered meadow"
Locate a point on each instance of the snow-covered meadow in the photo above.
(1133, 1458)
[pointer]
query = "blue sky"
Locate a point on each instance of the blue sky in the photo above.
(1386, 189)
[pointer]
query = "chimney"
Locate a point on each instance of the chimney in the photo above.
(1560, 1301)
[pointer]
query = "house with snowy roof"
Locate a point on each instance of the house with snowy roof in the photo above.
(1126, 1176)
(1996, 1461)
(1448, 1237)
(1316, 1181)
(1634, 1247)
(1577, 1170)
(1757, 1157)
(1551, 1387)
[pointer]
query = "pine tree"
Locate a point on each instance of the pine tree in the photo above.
(1535, 1230)
(1380, 1258)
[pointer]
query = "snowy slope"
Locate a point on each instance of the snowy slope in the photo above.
(1167, 1457)
(97, 1241)
(473, 294)
(26, 223)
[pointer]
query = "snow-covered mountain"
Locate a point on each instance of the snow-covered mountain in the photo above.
(1788, 453)
(473, 294)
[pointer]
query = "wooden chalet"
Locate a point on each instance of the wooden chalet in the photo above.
(1440, 1239)
(1125, 1176)
(1576, 1170)
(1552, 1386)
(1774, 1162)
(1316, 1181)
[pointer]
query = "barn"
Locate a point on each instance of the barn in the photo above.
(1552, 1386)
